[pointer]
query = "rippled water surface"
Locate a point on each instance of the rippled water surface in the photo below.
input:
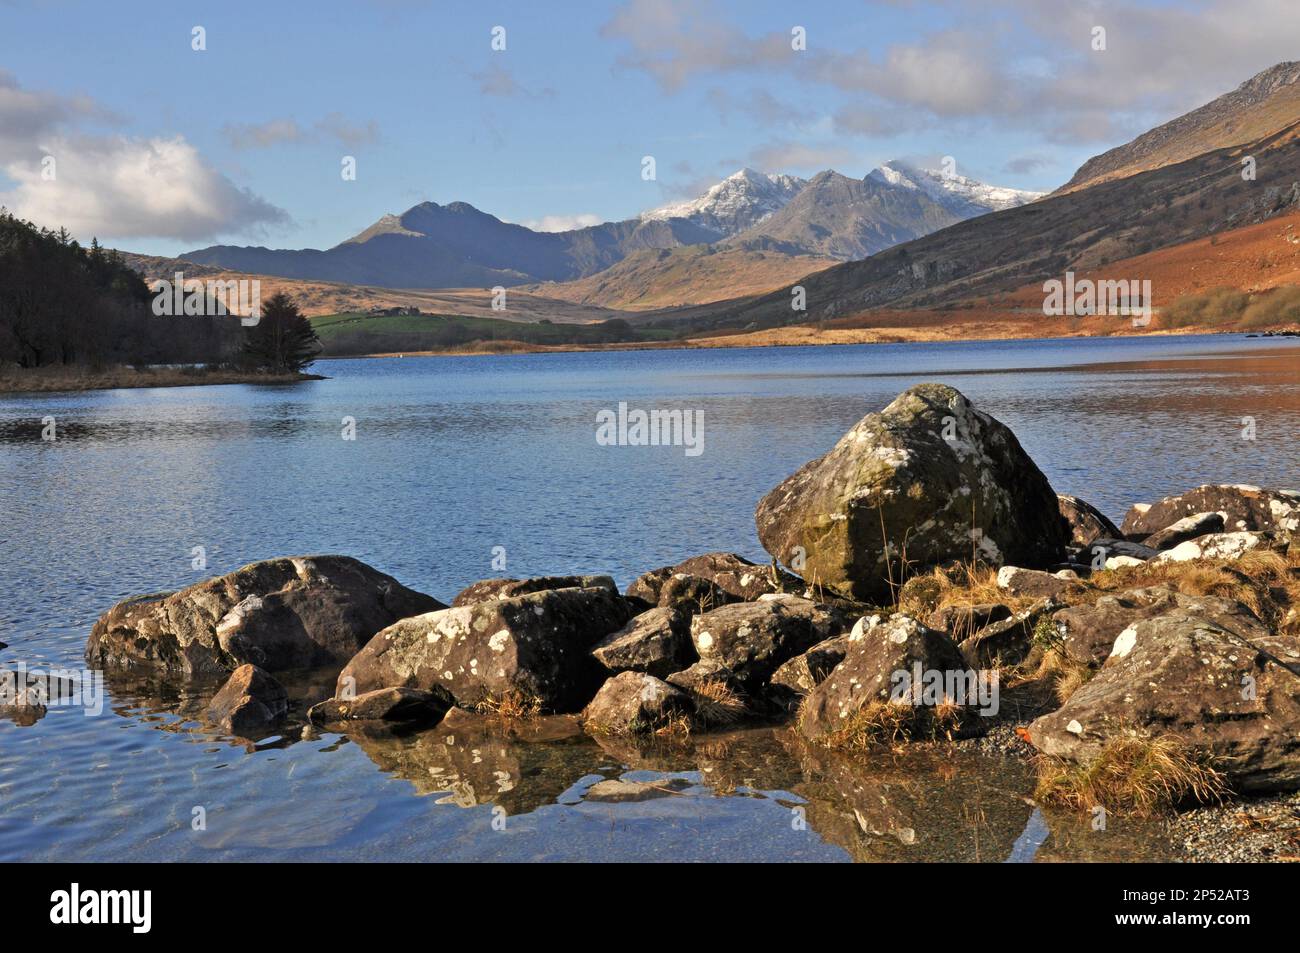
(455, 456)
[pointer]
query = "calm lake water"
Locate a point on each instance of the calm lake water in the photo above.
(456, 456)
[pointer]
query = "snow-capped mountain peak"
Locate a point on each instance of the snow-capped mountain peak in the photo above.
(739, 201)
(958, 193)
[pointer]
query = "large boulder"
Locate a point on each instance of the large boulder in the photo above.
(879, 670)
(929, 479)
(249, 704)
(1086, 522)
(1232, 699)
(534, 647)
(1243, 508)
(291, 613)
(752, 639)
(635, 703)
(488, 589)
(657, 642)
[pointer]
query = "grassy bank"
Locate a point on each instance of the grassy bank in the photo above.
(52, 379)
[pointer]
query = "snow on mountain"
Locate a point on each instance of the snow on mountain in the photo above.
(739, 201)
(961, 195)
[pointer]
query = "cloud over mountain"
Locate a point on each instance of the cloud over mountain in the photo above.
(111, 185)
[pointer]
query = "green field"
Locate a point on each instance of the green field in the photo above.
(343, 334)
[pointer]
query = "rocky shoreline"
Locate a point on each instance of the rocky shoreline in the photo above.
(927, 589)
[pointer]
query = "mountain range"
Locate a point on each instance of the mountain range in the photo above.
(781, 221)
(1229, 165)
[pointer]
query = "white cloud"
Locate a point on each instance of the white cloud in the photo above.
(118, 187)
(562, 223)
(112, 186)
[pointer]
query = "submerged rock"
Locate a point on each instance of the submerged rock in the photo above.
(278, 614)
(1243, 507)
(1234, 699)
(657, 642)
(1086, 522)
(410, 705)
(535, 647)
(635, 703)
(622, 791)
(930, 478)
(249, 704)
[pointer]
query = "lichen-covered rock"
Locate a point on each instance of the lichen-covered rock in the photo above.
(1088, 632)
(690, 594)
(409, 705)
(752, 639)
(880, 665)
(647, 586)
(249, 704)
(488, 589)
(1035, 583)
(635, 703)
(535, 646)
(1225, 546)
(1086, 522)
(929, 472)
(22, 697)
(801, 674)
(1243, 507)
(278, 614)
(657, 642)
(739, 577)
(1187, 528)
(1235, 701)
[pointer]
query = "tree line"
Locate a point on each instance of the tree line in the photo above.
(65, 304)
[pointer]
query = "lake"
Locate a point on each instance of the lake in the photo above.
(456, 461)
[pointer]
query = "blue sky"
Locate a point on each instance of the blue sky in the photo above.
(160, 148)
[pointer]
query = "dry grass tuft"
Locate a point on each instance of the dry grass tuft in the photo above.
(1138, 776)
(512, 706)
(893, 722)
(717, 704)
(676, 727)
